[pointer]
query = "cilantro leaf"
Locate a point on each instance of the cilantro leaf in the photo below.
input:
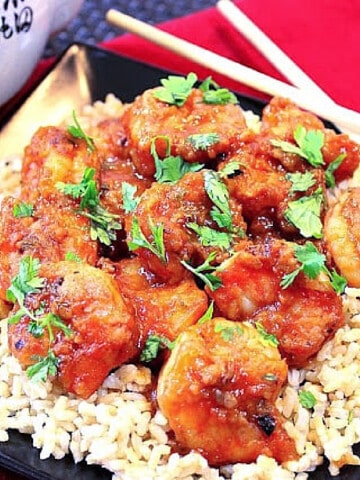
(152, 347)
(209, 237)
(175, 89)
(329, 172)
(308, 145)
(202, 141)
(213, 94)
(227, 333)
(77, 132)
(304, 214)
(205, 272)
(45, 366)
(51, 320)
(231, 169)
(26, 281)
(22, 210)
(312, 263)
(207, 315)
(171, 168)
(307, 399)
(72, 257)
(266, 338)
(300, 181)
(219, 195)
(102, 223)
(138, 239)
(130, 202)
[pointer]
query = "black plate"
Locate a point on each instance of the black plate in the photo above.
(82, 75)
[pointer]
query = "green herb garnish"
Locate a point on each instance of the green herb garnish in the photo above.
(205, 272)
(304, 214)
(103, 224)
(227, 333)
(266, 338)
(312, 263)
(308, 145)
(130, 202)
(171, 168)
(307, 399)
(46, 366)
(301, 182)
(219, 195)
(209, 237)
(333, 166)
(72, 257)
(22, 210)
(175, 89)
(77, 132)
(207, 315)
(215, 95)
(138, 239)
(152, 347)
(202, 141)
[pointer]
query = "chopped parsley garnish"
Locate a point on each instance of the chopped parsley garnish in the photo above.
(153, 345)
(72, 257)
(300, 182)
(333, 166)
(130, 202)
(266, 338)
(77, 132)
(270, 377)
(138, 239)
(22, 210)
(307, 399)
(304, 214)
(171, 168)
(27, 281)
(103, 224)
(43, 368)
(227, 333)
(308, 145)
(215, 95)
(208, 314)
(202, 141)
(219, 195)
(209, 237)
(175, 89)
(312, 263)
(231, 169)
(205, 272)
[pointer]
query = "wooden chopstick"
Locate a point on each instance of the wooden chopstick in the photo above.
(277, 57)
(259, 81)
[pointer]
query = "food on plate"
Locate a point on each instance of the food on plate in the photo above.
(173, 284)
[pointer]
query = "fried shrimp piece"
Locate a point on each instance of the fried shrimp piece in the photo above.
(218, 390)
(262, 186)
(160, 309)
(342, 235)
(52, 230)
(175, 207)
(148, 118)
(103, 330)
(280, 119)
(54, 155)
(302, 316)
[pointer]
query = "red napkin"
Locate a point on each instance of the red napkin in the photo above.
(321, 36)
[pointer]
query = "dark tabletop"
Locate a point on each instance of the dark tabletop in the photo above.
(90, 25)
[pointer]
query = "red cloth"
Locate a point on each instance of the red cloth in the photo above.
(321, 36)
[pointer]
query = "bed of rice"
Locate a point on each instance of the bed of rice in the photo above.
(116, 429)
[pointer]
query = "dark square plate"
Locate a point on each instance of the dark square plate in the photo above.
(82, 75)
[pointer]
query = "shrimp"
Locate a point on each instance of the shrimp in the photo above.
(148, 118)
(302, 317)
(103, 331)
(175, 207)
(342, 235)
(218, 389)
(164, 310)
(52, 156)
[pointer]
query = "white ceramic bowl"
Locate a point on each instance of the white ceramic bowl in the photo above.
(25, 26)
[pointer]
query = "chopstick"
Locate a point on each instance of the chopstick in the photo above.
(277, 57)
(259, 81)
